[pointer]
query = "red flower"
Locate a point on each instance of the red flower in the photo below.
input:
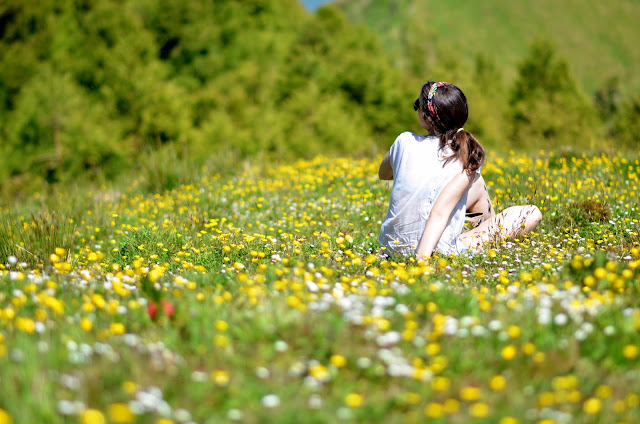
(152, 308)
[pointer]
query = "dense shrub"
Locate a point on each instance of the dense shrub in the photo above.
(546, 107)
(92, 88)
(626, 124)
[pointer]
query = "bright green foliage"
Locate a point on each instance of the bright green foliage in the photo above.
(90, 88)
(627, 124)
(547, 110)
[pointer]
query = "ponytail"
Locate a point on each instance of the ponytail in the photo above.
(445, 106)
(464, 148)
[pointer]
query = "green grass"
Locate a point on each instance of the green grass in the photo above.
(284, 311)
(597, 39)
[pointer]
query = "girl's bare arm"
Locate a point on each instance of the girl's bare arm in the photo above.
(441, 211)
(385, 172)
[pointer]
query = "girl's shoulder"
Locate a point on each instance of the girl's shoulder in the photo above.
(412, 136)
(408, 137)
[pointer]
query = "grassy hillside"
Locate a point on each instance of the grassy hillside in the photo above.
(598, 39)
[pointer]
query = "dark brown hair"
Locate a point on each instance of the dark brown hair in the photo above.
(448, 114)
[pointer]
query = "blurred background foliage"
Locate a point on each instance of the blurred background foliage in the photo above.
(96, 90)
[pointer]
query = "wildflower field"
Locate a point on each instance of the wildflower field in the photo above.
(263, 297)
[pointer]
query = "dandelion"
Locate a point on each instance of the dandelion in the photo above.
(120, 413)
(434, 410)
(338, 361)
(92, 416)
(470, 393)
(354, 400)
(221, 340)
(508, 352)
(479, 410)
(630, 352)
(514, 331)
(592, 406)
(440, 384)
(497, 383)
(221, 325)
(220, 377)
(86, 324)
(5, 417)
(129, 387)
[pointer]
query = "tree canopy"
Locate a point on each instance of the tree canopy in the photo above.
(93, 88)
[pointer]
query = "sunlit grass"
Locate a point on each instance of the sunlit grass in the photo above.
(263, 297)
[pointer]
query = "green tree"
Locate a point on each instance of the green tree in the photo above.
(56, 132)
(546, 107)
(626, 124)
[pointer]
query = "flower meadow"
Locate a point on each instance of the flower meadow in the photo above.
(264, 297)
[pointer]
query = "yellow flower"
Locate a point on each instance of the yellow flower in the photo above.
(546, 399)
(539, 357)
(434, 410)
(86, 324)
(514, 331)
(592, 406)
(497, 383)
(470, 393)
(630, 351)
(92, 416)
(120, 413)
(451, 406)
(220, 340)
(5, 418)
(25, 324)
(319, 372)
(432, 349)
(508, 420)
(528, 348)
(479, 410)
(129, 387)
(221, 325)
(117, 328)
(353, 400)
(440, 384)
(603, 391)
(338, 361)
(220, 377)
(509, 352)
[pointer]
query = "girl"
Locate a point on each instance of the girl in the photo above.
(437, 182)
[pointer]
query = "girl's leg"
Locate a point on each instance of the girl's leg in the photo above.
(511, 222)
(478, 200)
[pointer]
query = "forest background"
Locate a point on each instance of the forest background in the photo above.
(96, 91)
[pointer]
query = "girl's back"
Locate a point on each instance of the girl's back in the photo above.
(419, 174)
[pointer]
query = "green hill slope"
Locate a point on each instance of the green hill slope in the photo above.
(598, 39)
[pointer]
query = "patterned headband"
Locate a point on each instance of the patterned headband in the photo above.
(432, 108)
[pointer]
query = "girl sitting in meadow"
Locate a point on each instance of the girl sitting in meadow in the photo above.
(437, 183)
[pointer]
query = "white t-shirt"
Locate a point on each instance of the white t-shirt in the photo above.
(418, 178)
